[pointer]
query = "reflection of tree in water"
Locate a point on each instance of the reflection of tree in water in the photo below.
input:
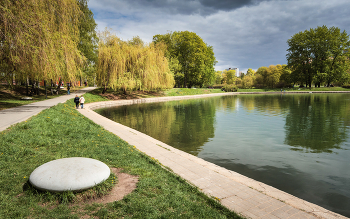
(226, 103)
(317, 122)
(269, 104)
(186, 124)
(194, 124)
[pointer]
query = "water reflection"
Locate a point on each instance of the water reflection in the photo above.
(265, 137)
(186, 125)
(317, 122)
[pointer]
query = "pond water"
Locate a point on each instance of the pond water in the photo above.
(298, 143)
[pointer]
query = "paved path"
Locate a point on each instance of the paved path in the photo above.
(18, 114)
(250, 198)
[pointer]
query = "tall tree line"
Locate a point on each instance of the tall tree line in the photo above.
(39, 40)
(319, 55)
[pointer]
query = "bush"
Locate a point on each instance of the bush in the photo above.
(218, 86)
(283, 85)
(230, 88)
(346, 86)
(259, 86)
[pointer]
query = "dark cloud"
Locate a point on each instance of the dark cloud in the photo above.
(226, 5)
(187, 7)
(243, 33)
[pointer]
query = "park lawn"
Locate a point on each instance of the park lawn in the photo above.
(60, 132)
(191, 91)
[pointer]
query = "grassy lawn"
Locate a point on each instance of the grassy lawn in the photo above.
(61, 132)
(192, 91)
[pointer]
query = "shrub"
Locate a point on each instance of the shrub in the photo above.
(230, 88)
(218, 86)
(346, 86)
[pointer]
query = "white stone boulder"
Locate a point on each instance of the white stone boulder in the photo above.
(26, 98)
(69, 174)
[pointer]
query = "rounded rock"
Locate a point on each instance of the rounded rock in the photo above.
(69, 174)
(26, 98)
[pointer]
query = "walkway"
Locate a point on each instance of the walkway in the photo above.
(250, 198)
(18, 114)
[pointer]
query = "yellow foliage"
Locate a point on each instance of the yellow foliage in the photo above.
(130, 66)
(39, 39)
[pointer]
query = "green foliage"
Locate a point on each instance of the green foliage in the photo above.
(247, 82)
(272, 76)
(195, 57)
(319, 51)
(88, 40)
(219, 77)
(229, 77)
(230, 88)
(250, 72)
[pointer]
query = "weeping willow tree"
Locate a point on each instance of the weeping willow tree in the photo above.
(131, 65)
(38, 40)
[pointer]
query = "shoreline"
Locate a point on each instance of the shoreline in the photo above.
(247, 204)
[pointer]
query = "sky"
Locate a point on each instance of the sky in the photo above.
(243, 33)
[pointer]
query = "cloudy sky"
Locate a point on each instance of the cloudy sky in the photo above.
(244, 33)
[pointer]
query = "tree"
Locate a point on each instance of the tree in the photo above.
(247, 82)
(88, 40)
(136, 41)
(285, 78)
(196, 58)
(250, 72)
(318, 51)
(38, 40)
(219, 77)
(270, 76)
(128, 66)
(229, 77)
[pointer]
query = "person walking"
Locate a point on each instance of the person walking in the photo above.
(76, 101)
(68, 89)
(82, 100)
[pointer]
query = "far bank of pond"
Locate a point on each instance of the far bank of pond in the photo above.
(298, 143)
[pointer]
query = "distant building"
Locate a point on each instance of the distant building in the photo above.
(236, 69)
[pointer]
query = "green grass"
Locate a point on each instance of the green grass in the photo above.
(93, 97)
(61, 132)
(188, 91)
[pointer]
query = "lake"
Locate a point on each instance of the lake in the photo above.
(298, 143)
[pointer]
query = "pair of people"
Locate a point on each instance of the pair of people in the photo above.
(78, 100)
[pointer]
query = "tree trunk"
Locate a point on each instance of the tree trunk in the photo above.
(59, 86)
(27, 84)
(37, 88)
(45, 89)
